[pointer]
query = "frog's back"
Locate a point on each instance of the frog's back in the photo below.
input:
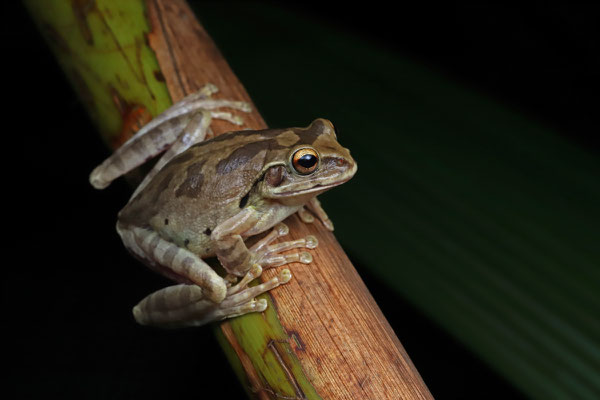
(198, 189)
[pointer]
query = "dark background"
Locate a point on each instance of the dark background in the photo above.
(70, 331)
(539, 59)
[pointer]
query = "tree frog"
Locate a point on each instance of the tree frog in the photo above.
(204, 198)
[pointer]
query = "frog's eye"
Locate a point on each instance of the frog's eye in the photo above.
(305, 161)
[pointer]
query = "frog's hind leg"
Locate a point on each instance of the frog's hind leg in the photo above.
(193, 132)
(173, 261)
(165, 130)
(184, 305)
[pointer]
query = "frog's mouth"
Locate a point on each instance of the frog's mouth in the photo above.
(316, 188)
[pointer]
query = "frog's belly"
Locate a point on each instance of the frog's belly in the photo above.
(194, 233)
(191, 232)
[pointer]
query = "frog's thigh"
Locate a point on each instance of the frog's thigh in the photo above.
(167, 305)
(181, 262)
(184, 305)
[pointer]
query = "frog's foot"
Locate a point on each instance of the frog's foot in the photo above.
(184, 305)
(268, 255)
(314, 205)
(306, 216)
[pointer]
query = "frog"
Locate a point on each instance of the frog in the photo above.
(207, 196)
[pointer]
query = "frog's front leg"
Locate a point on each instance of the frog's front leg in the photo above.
(314, 205)
(235, 256)
(185, 305)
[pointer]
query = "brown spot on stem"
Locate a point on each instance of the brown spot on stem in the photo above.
(274, 346)
(158, 75)
(81, 9)
(296, 340)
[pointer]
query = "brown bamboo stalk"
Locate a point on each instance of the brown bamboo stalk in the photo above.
(323, 335)
(335, 329)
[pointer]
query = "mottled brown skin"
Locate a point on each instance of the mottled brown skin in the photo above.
(204, 198)
(210, 182)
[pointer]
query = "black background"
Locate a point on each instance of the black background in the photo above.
(57, 293)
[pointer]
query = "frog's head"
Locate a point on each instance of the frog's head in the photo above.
(312, 163)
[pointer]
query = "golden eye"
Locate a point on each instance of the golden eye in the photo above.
(305, 161)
